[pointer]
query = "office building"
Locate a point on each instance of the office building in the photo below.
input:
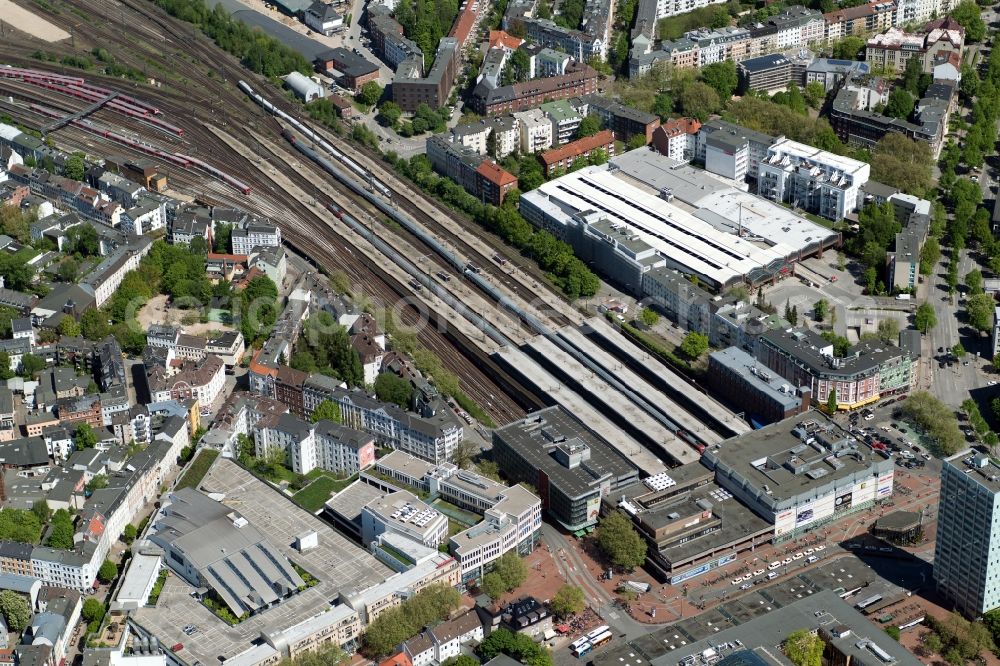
(868, 372)
(814, 180)
(765, 397)
(831, 73)
(731, 151)
(571, 466)
(690, 524)
(403, 513)
(801, 473)
(966, 561)
(766, 73)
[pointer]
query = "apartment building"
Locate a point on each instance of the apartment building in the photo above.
(623, 121)
(253, 234)
(564, 156)
(432, 437)
(564, 118)
(535, 130)
(676, 138)
(861, 20)
(579, 79)
(966, 556)
(866, 374)
(815, 180)
(107, 276)
(410, 88)
(938, 42)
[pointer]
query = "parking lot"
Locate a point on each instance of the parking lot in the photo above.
(338, 564)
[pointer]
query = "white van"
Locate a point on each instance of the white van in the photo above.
(772, 575)
(811, 559)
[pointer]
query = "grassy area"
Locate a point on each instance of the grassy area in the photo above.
(454, 512)
(389, 550)
(312, 497)
(198, 468)
(454, 527)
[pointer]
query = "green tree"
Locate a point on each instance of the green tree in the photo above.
(85, 437)
(68, 327)
(41, 508)
(980, 309)
(589, 126)
(92, 610)
(620, 542)
(5, 370)
(903, 163)
(512, 570)
(722, 78)
(933, 642)
(969, 16)
(900, 104)
(129, 533)
(460, 660)
(492, 585)
(694, 344)
(390, 387)
(327, 411)
(15, 610)
(637, 141)
(815, 94)
(831, 402)
(820, 309)
(30, 364)
(568, 600)
(699, 100)
(804, 648)
(958, 350)
(75, 168)
(888, 330)
(108, 572)
(930, 255)
(61, 531)
(370, 93)
(82, 239)
(98, 482)
(848, 48)
(974, 281)
(649, 316)
(395, 625)
(94, 324)
(389, 113)
(69, 270)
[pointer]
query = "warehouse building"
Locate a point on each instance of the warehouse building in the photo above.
(698, 224)
(304, 88)
(571, 466)
(799, 474)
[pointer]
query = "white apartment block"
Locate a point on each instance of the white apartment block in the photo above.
(666, 8)
(142, 219)
(908, 11)
(255, 234)
(812, 179)
(307, 446)
(535, 130)
(105, 279)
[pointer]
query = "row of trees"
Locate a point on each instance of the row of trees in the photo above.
(392, 627)
(258, 52)
(553, 255)
(936, 419)
(426, 22)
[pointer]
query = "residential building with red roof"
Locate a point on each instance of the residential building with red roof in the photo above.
(676, 138)
(563, 156)
(494, 182)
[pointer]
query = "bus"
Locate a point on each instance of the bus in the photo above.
(583, 649)
(597, 631)
(603, 639)
(577, 643)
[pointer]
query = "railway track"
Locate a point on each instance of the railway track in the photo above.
(474, 373)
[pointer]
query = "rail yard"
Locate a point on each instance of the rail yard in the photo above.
(515, 344)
